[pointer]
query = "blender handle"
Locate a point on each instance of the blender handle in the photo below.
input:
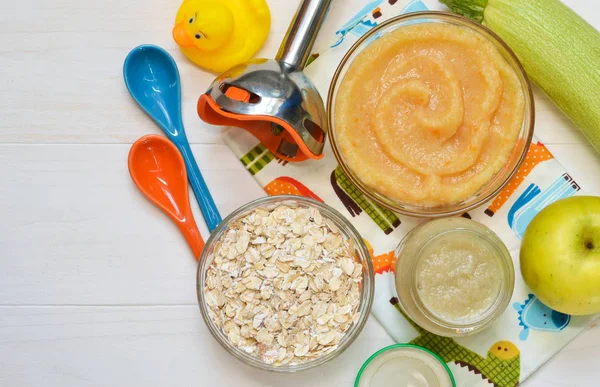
(302, 32)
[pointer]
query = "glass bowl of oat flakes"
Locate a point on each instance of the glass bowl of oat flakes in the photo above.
(285, 283)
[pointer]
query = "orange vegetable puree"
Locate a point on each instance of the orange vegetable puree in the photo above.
(428, 114)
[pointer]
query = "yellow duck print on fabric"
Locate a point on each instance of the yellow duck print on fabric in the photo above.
(501, 367)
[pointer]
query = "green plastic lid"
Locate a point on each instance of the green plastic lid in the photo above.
(403, 365)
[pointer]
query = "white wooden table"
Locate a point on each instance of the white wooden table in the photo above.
(97, 287)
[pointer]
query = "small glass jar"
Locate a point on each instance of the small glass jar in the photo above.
(404, 365)
(454, 276)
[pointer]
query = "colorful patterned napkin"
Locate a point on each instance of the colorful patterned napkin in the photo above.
(528, 333)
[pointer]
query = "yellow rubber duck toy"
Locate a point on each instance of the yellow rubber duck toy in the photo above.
(219, 34)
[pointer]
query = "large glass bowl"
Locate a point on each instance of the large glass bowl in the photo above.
(499, 180)
(361, 255)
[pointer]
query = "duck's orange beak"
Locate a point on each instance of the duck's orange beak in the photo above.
(180, 36)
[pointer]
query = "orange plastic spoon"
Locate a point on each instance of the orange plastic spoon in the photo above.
(158, 170)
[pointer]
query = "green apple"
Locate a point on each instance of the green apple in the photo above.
(560, 255)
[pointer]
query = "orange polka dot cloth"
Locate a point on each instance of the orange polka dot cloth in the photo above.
(528, 333)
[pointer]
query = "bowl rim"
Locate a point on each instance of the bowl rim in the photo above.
(367, 294)
(431, 213)
(403, 346)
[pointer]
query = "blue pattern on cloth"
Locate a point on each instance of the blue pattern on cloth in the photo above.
(545, 183)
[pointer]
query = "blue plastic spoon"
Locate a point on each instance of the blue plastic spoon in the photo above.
(152, 79)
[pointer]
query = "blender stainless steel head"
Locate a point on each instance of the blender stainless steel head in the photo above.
(274, 99)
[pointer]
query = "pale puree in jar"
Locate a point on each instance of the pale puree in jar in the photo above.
(458, 277)
(454, 276)
(428, 113)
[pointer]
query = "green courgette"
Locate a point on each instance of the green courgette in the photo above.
(558, 49)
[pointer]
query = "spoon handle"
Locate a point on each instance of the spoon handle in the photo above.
(192, 236)
(203, 196)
